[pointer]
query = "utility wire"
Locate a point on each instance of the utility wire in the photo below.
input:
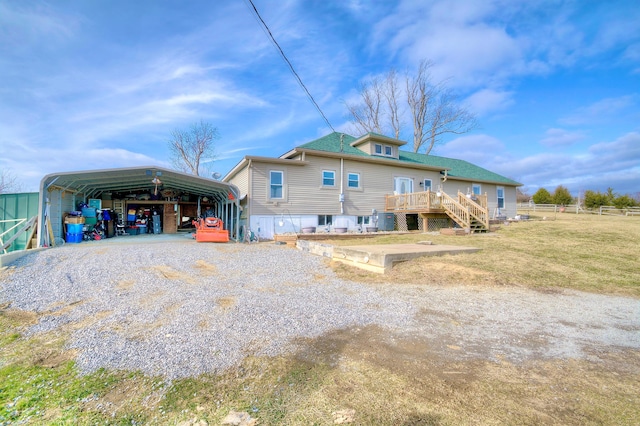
(293, 71)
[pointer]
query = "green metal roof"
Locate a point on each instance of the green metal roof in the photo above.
(456, 168)
(331, 143)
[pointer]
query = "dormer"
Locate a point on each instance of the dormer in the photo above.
(378, 145)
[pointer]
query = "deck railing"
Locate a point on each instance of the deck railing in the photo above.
(475, 207)
(414, 201)
(462, 210)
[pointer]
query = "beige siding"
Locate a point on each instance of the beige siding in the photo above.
(241, 180)
(304, 193)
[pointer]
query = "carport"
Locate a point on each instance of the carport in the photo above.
(178, 195)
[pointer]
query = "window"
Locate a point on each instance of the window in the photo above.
(353, 180)
(385, 150)
(275, 184)
(500, 194)
(476, 189)
(364, 220)
(325, 219)
(328, 178)
(427, 184)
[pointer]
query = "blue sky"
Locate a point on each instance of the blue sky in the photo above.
(101, 84)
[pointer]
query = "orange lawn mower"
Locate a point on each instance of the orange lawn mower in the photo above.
(210, 230)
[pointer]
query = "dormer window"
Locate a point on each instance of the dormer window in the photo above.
(385, 150)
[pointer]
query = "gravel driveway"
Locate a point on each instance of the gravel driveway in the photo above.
(178, 308)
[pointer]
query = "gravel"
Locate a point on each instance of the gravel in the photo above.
(178, 308)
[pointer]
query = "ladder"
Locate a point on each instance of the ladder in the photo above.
(118, 207)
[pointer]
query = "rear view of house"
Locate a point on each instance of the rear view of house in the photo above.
(340, 183)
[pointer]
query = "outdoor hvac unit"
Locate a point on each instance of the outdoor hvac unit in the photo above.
(386, 221)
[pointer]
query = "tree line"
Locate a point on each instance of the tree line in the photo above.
(591, 199)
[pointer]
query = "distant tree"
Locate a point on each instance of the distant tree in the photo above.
(562, 196)
(542, 196)
(434, 109)
(595, 200)
(624, 201)
(9, 182)
(190, 148)
(522, 196)
(611, 196)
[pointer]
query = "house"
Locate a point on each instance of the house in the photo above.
(339, 182)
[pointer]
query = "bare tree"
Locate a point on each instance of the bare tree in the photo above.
(366, 114)
(191, 148)
(391, 95)
(9, 182)
(433, 108)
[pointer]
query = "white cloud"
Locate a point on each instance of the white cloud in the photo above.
(561, 137)
(477, 149)
(601, 111)
(487, 101)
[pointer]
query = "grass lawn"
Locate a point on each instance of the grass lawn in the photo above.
(598, 254)
(373, 383)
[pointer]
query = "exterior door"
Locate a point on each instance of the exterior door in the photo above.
(403, 185)
(265, 228)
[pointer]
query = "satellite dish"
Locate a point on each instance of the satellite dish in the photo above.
(216, 175)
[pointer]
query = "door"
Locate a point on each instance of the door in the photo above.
(403, 185)
(169, 218)
(265, 227)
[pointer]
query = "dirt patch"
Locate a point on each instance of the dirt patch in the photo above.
(226, 303)
(172, 274)
(19, 317)
(125, 284)
(55, 359)
(477, 391)
(205, 268)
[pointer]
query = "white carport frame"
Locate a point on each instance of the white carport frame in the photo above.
(83, 185)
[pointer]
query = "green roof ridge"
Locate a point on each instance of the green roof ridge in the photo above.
(457, 168)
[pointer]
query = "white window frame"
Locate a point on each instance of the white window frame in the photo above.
(325, 220)
(364, 220)
(383, 150)
(349, 180)
(425, 186)
(272, 185)
(333, 178)
(476, 189)
(499, 199)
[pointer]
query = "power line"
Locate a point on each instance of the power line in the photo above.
(293, 71)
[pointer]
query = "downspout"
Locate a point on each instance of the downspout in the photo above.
(250, 195)
(341, 175)
(341, 186)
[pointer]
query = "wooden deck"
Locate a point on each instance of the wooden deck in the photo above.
(469, 212)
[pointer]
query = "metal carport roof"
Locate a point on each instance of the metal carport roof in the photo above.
(93, 183)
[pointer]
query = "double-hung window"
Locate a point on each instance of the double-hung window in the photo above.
(328, 178)
(276, 181)
(353, 180)
(500, 194)
(427, 184)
